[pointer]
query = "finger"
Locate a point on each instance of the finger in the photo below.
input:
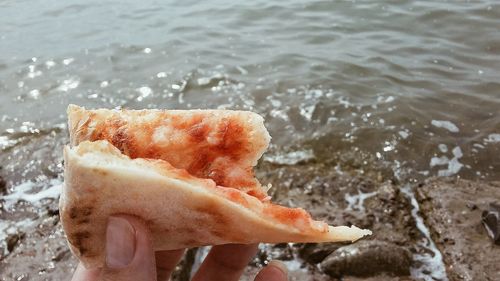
(129, 251)
(166, 261)
(225, 262)
(274, 271)
(83, 274)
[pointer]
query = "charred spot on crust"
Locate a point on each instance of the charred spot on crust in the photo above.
(78, 240)
(212, 210)
(84, 221)
(100, 171)
(231, 235)
(80, 212)
(213, 213)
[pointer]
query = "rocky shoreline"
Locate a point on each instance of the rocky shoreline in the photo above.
(450, 208)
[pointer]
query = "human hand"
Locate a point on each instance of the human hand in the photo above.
(130, 256)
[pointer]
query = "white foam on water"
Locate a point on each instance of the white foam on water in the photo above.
(144, 92)
(291, 158)
(294, 265)
(6, 142)
(383, 99)
(49, 64)
(438, 161)
(388, 146)
(492, 138)
(343, 101)
(404, 134)
(203, 81)
(478, 145)
(443, 148)
(33, 72)
(280, 113)
(242, 70)
(69, 84)
(454, 165)
(23, 192)
(445, 125)
(432, 267)
(161, 74)
(67, 61)
(307, 111)
(313, 94)
(356, 202)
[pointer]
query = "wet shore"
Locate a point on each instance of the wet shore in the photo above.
(456, 247)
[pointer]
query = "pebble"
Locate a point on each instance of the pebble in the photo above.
(315, 253)
(368, 258)
(3, 186)
(491, 221)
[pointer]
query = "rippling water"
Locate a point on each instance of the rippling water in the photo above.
(409, 89)
(360, 79)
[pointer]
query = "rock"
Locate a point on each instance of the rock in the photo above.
(3, 185)
(12, 241)
(382, 277)
(52, 210)
(268, 252)
(316, 253)
(41, 255)
(491, 221)
(368, 258)
(456, 228)
(61, 255)
(282, 251)
(183, 269)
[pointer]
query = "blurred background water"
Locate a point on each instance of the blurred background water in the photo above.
(410, 86)
(407, 89)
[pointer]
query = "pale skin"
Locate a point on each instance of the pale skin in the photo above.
(130, 256)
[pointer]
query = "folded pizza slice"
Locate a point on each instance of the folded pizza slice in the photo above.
(128, 166)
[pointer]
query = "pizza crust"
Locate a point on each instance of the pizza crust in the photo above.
(145, 163)
(181, 211)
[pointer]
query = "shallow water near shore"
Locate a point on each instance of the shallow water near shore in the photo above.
(391, 91)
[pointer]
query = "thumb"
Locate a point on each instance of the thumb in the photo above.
(274, 271)
(129, 251)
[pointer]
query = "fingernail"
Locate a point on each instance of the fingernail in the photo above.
(281, 266)
(120, 243)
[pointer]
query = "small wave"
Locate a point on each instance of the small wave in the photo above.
(291, 158)
(445, 125)
(356, 202)
(432, 267)
(24, 192)
(492, 138)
